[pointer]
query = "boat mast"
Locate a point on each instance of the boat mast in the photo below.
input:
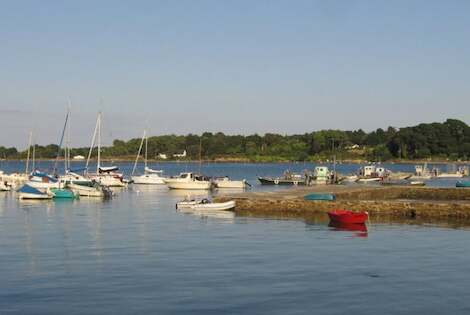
(146, 149)
(99, 144)
(34, 157)
(200, 154)
(29, 152)
(92, 143)
(138, 153)
(67, 143)
(60, 144)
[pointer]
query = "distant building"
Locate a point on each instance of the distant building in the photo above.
(79, 157)
(182, 155)
(353, 147)
(162, 156)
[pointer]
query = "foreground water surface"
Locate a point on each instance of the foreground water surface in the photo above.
(136, 254)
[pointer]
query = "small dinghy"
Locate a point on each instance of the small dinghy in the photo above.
(205, 204)
(63, 193)
(463, 184)
(318, 196)
(226, 182)
(348, 217)
(28, 192)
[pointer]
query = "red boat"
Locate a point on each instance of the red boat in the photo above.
(347, 216)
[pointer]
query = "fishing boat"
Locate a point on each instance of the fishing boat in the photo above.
(28, 192)
(463, 184)
(189, 181)
(371, 173)
(321, 176)
(63, 193)
(287, 178)
(205, 204)
(226, 182)
(150, 176)
(421, 172)
(348, 217)
(320, 197)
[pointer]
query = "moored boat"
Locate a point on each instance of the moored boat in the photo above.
(226, 182)
(205, 204)
(189, 181)
(62, 193)
(463, 184)
(28, 192)
(287, 178)
(150, 176)
(348, 217)
(320, 197)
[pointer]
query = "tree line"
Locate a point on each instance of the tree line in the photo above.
(447, 140)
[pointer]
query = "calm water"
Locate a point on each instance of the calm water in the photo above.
(136, 254)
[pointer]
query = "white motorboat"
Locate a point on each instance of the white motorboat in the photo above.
(226, 182)
(189, 181)
(150, 176)
(205, 204)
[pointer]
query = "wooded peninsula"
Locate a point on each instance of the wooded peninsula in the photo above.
(449, 140)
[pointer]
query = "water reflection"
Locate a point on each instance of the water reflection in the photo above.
(359, 229)
(218, 214)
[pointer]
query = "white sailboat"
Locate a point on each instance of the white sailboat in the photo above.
(150, 177)
(107, 176)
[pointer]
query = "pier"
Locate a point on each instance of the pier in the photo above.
(399, 202)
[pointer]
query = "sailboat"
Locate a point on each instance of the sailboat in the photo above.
(150, 176)
(107, 176)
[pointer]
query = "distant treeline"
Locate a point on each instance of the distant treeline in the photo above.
(448, 140)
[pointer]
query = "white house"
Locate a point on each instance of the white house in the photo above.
(79, 157)
(182, 155)
(162, 156)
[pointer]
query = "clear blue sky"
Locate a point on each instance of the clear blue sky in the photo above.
(231, 66)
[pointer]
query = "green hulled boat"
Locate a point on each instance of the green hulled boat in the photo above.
(463, 184)
(63, 193)
(318, 196)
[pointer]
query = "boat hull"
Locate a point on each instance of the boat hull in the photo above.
(193, 185)
(230, 183)
(320, 197)
(148, 180)
(280, 181)
(194, 205)
(348, 217)
(462, 184)
(34, 196)
(86, 191)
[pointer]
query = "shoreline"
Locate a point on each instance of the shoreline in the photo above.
(237, 161)
(399, 202)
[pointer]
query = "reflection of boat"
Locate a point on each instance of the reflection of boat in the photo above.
(226, 182)
(287, 178)
(320, 196)
(189, 181)
(209, 213)
(28, 192)
(462, 184)
(205, 204)
(350, 227)
(347, 216)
